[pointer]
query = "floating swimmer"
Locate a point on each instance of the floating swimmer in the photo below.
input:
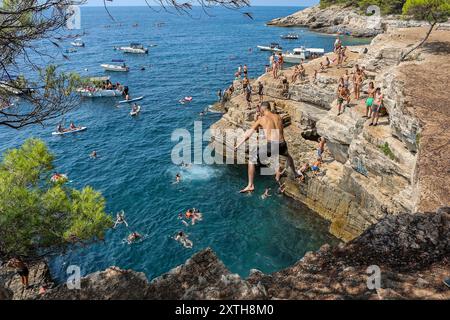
(58, 177)
(193, 214)
(182, 238)
(133, 237)
(177, 178)
(186, 100)
(120, 218)
(93, 155)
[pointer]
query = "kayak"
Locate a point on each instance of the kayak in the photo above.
(69, 131)
(131, 100)
(135, 113)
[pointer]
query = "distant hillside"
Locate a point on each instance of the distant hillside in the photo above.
(386, 6)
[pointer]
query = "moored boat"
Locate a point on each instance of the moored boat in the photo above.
(302, 53)
(78, 43)
(115, 67)
(134, 48)
(274, 47)
(100, 87)
(289, 36)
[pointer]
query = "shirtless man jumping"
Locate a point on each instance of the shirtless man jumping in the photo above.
(272, 126)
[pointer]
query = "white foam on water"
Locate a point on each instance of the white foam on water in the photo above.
(195, 173)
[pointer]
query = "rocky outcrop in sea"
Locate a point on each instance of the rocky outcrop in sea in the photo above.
(338, 19)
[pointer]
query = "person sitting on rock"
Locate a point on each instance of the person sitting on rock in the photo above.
(302, 172)
(316, 167)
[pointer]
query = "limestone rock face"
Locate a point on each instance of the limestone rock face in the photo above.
(11, 286)
(346, 20)
(111, 284)
(368, 172)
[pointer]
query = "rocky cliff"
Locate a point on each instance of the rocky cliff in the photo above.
(411, 251)
(369, 172)
(345, 20)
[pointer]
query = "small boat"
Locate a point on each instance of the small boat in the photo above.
(131, 100)
(274, 47)
(77, 43)
(93, 88)
(136, 112)
(290, 36)
(115, 67)
(134, 48)
(67, 131)
(302, 53)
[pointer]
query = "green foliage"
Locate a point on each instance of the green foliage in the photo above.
(431, 10)
(387, 150)
(386, 6)
(39, 217)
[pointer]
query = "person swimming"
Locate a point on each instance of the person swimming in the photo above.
(133, 237)
(182, 238)
(194, 215)
(177, 178)
(93, 154)
(120, 218)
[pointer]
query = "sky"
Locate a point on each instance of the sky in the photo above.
(296, 3)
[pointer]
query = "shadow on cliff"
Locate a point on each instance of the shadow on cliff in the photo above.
(437, 47)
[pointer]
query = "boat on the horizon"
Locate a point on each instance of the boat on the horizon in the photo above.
(134, 48)
(77, 43)
(302, 53)
(274, 47)
(95, 88)
(290, 36)
(115, 67)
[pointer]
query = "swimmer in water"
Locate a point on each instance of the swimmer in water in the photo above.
(133, 237)
(120, 218)
(194, 215)
(266, 194)
(183, 239)
(185, 165)
(177, 178)
(93, 155)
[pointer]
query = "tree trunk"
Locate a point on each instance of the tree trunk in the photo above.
(419, 44)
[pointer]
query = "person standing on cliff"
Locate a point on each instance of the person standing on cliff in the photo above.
(260, 91)
(21, 269)
(376, 106)
(272, 126)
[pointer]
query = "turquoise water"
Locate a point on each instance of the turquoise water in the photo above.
(195, 56)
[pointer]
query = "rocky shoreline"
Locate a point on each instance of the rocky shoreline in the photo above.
(337, 19)
(411, 250)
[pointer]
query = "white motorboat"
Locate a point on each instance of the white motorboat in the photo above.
(134, 48)
(274, 47)
(289, 36)
(94, 88)
(77, 43)
(115, 67)
(302, 53)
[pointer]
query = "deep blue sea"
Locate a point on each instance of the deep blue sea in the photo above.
(195, 57)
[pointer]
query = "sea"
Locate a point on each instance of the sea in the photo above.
(195, 55)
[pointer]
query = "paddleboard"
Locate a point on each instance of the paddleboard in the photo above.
(69, 131)
(131, 100)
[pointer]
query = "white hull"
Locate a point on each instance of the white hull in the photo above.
(293, 58)
(115, 68)
(69, 131)
(133, 50)
(99, 93)
(263, 48)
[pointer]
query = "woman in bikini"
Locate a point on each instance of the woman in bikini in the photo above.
(369, 100)
(376, 106)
